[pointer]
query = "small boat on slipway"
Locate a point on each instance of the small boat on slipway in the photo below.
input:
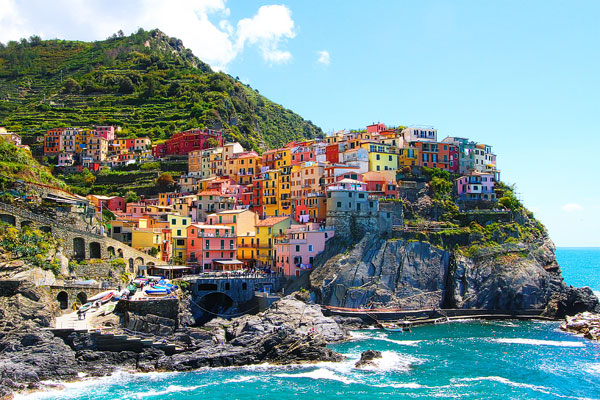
(396, 326)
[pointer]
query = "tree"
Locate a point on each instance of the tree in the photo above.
(71, 86)
(212, 142)
(131, 197)
(165, 180)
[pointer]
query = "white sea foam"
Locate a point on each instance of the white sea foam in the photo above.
(167, 390)
(593, 368)
(75, 389)
(536, 342)
(536, 388)
(505, 381)
(597, 293)
(391, 361)
(320, 373)
(383, 337)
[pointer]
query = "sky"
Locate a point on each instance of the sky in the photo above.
(521, 76)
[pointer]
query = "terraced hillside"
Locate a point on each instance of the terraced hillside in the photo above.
(147, 83)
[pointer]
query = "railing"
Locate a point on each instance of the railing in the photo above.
(232, 275)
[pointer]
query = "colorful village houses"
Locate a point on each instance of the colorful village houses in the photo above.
(297, 249)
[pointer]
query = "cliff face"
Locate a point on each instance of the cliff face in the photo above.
(382, 273)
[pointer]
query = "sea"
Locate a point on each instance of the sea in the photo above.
(464, 359)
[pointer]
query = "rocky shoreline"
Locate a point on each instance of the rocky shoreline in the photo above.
(290, 332)
(585, 323)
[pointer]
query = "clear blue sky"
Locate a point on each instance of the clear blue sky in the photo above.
(522, 76)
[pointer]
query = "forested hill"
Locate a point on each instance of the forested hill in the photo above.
(147, 83)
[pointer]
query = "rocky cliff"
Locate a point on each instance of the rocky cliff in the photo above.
(392, 273)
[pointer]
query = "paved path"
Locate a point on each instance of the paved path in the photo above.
(71, 321)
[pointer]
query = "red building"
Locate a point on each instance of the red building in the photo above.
(194, 139)
(332, 153)
(437, 155)
(381, 184)
(53, 141)
(376, 128)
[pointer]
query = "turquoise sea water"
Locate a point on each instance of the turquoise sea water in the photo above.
(467, 360)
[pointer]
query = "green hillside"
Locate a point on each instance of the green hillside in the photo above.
(18, 164)
(147, 83)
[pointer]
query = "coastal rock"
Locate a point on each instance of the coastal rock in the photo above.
(392, 273)
(570, 301)
(367, 357)
(384, 273)
(291, 315)
(586, 324)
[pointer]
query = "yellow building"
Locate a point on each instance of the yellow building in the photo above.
(407, 157)
(81, 139)
(144, 239)
(381, 157)
(269, 192)
(266, 232)
(242, 167)
(178, 225)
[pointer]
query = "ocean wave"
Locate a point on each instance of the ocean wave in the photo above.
(593, 368)
(391, 361)
(505, 381)
(73, 389)
(320, 373)
(382, 337)
(508, 382)
(597, 293)
(169, 389)
(537, 342)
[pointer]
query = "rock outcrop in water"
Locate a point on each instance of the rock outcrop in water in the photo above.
(586, 324)
(384, 273)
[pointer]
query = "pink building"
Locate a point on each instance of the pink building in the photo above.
(376, 128)
(297, 251)
(301, 154)
(477, 186)
(106, 132)
(212, 247)
(112, 203)
(65, 159)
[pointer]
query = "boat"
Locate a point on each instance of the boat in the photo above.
(85, 307)
(395, 326)
(107, 298)
(101, 295)
(110, 308)
(156, 291)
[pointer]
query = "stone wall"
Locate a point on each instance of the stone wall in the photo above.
(165, 308)
(356, 224)
(240, 290)
(104, 271)
(78, 244)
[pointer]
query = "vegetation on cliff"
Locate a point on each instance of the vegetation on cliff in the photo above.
(30, 245)
(18, 164)
(147, 83)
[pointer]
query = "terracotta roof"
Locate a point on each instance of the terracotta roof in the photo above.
(271, 221)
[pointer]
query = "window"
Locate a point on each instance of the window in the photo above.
(297, 248)
(339, 204)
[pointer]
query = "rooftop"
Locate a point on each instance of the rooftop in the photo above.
(271, 221)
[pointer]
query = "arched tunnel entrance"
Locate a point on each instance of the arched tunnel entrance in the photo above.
(82, 298)
(63, 300)
(211, 306)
